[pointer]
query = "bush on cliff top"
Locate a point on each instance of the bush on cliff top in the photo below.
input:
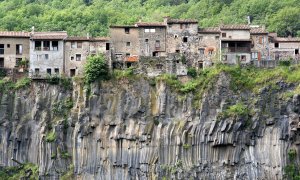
(96, 69)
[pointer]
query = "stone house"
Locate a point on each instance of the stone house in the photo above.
(14, 47)
(260, 49)
(182, 38)
(77, 49)
(47, 53)
(284, 48)
(208, 46)
(235, 44)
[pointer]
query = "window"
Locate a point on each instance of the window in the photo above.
(155, 54)
(56, 70)
(38, 45)
(79, 44)
(72, 72)
(107, 46)
(296, 51)
(185, 39)
(177, 51)
(73, 45)
(1, 62)
(78, 57)
(201, 51)
(49, 71)
(186, 25)
(200, 64)
(210, 52)
(46, 56)
(254, 55)
(217, 37)
(55, 45)
(243, 58)
(181, 26)
(175, 36)
(200, 38)
(46, 45)
(149, 30)
(72, 58)
(127, 30)
(276, 45)
(8, 45)
(127, 54)
(157, 44)
(37, 70)
(223, 35)
(127, 43)
(19, 49)
(1, 48)
(146, 40)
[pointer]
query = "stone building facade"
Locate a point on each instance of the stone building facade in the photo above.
(260, 48)
(14, 47)
(47, 54)
(77, 50)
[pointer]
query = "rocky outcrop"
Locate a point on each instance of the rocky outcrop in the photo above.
(130, 129)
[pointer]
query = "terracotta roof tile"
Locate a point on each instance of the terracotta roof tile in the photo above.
(287, 39)
(14, 34)
(56, 35)
(258, 31)
(235, 27)
(85, 38)
(150, 24)
(209, 30)
(182, 21)
(122, 26)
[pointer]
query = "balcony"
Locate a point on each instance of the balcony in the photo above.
(239, 49)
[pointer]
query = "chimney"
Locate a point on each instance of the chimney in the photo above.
(32, 29)
(249, 20)
(166, 19)
(87, 35)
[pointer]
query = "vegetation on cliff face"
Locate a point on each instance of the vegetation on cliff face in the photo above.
(94, 16)
(26, 171)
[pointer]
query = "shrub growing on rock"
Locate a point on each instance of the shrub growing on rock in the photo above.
(96, 69)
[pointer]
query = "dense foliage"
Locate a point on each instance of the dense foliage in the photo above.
(94, 16)
(96, 69)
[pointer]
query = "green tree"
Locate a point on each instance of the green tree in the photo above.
(96, 68)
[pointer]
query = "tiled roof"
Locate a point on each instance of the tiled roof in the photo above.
(58, 35)
(235, 27)
(287, 39)
(122, 26)
(209, 30)
(182, 21)
(258, 31)
(150, 24)
(14, 34)
(85, 38)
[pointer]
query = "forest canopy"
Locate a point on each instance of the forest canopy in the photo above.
(80, 17)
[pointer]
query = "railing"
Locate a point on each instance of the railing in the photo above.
(239, 49)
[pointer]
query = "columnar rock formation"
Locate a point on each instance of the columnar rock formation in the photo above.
(129, 129)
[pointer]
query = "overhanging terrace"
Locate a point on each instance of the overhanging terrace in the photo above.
(236, 46)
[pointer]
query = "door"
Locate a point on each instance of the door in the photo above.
(2, 62)
(72, 72)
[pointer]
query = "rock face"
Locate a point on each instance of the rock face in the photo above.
(128, 129)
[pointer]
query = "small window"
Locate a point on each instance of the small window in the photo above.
(19, 49)
(49, 71)
(157, 44)
(78, 57)
(152, 30)
(127, 43)
(127, 54)
(276, 45)
(37, 70)
(72, 58)
(146, 40)
(210, 52)
(38, 45)
(243, 58)
(127, 30)
(72, 72)
(79, 44)
(177, 51)
(155, 54)
(297, 51)
(217, 37)
(260, 40)
(56, 70)
(201, 51)
(46, 56)
(8, 45)
(107, 46)
(185, 39)
(200, 38)
(254, 55)
(73, 45)
(223, 35)
(46, 45)
(181, 26)
(175, 36)
(54, 45)
(1, 48)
